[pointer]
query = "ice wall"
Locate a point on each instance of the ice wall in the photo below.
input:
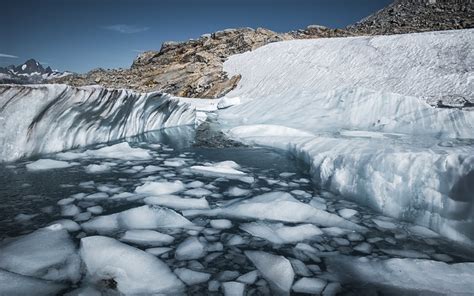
(38, 119)
(354, 109)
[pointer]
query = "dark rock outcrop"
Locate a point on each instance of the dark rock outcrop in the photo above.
(409, 16)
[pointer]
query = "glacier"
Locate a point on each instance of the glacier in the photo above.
(38, 119)
(356, 111)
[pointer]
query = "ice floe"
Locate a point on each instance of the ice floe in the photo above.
(144, 217)
(177, 203)
(133, 270)
(48, 164)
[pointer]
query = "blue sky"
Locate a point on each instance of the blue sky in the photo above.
(80, 35)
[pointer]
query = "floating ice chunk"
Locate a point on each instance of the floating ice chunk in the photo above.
(158, 250)
(431, 277)
(152, 169)
(198, 192)
(235, 240)
(442, 257)
(119, 151)
(144, 217)
(335, 231)
(177, 203)
(248, 278)
(70, 210)
(347, 213)
(96, 196)
(235, 191)
(47, 253)
(275, 269)
(97, 168)
(82, 216)
(355, 237)
(69, 225)
(405, 253)
(226, 169)
(160, 188)
(195, 184)
(281, 234)
(122, 195)
(233, 289)
(96, 210)
(423, 231)
(174, 162)
(66, 201)
(48, 164)
(13, 284)
(221, 224)
(309, 285)
(364, 247)
(191, 277)
(145, 237)
(384, 224)
(277, 206)
(191, 248)
(213, 286)
(134, 271)
(332, 289)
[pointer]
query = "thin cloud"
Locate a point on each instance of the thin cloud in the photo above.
(126, 29)
(4, 55)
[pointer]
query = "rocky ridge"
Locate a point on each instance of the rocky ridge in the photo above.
(194, 68)
(409, 16)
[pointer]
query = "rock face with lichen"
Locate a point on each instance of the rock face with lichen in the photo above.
(193, 68)
(410, 16)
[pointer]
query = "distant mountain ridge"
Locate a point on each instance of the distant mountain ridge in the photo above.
(30, 71)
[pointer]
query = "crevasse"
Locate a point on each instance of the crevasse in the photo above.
(37, 119)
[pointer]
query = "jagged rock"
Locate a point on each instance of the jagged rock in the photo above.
(193, 68)
(409, 16)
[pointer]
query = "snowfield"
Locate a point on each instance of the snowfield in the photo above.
(355, 110)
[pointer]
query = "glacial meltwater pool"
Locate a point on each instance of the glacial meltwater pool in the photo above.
(155, 215)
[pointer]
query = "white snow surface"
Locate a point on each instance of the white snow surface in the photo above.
(354, 110)
(47, 118)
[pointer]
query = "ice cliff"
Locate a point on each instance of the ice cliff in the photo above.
(50, 118)
(355, 110)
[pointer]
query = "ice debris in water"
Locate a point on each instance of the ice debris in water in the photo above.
(146, 237)
(281, 234)
(177, 203)
(225, 169)
(17, 284)
(160, 188)
(221, 223)
(133, 270)
(198, 192)
(191, 277)
(48, 253)
(97, 168)
(48, 164)
(121, 151)
(277, 206)
(144, 217)
(277, 270)
(309, 285)
(190, 248)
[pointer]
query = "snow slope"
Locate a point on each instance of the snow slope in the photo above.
(38, 119)
(354, 109)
